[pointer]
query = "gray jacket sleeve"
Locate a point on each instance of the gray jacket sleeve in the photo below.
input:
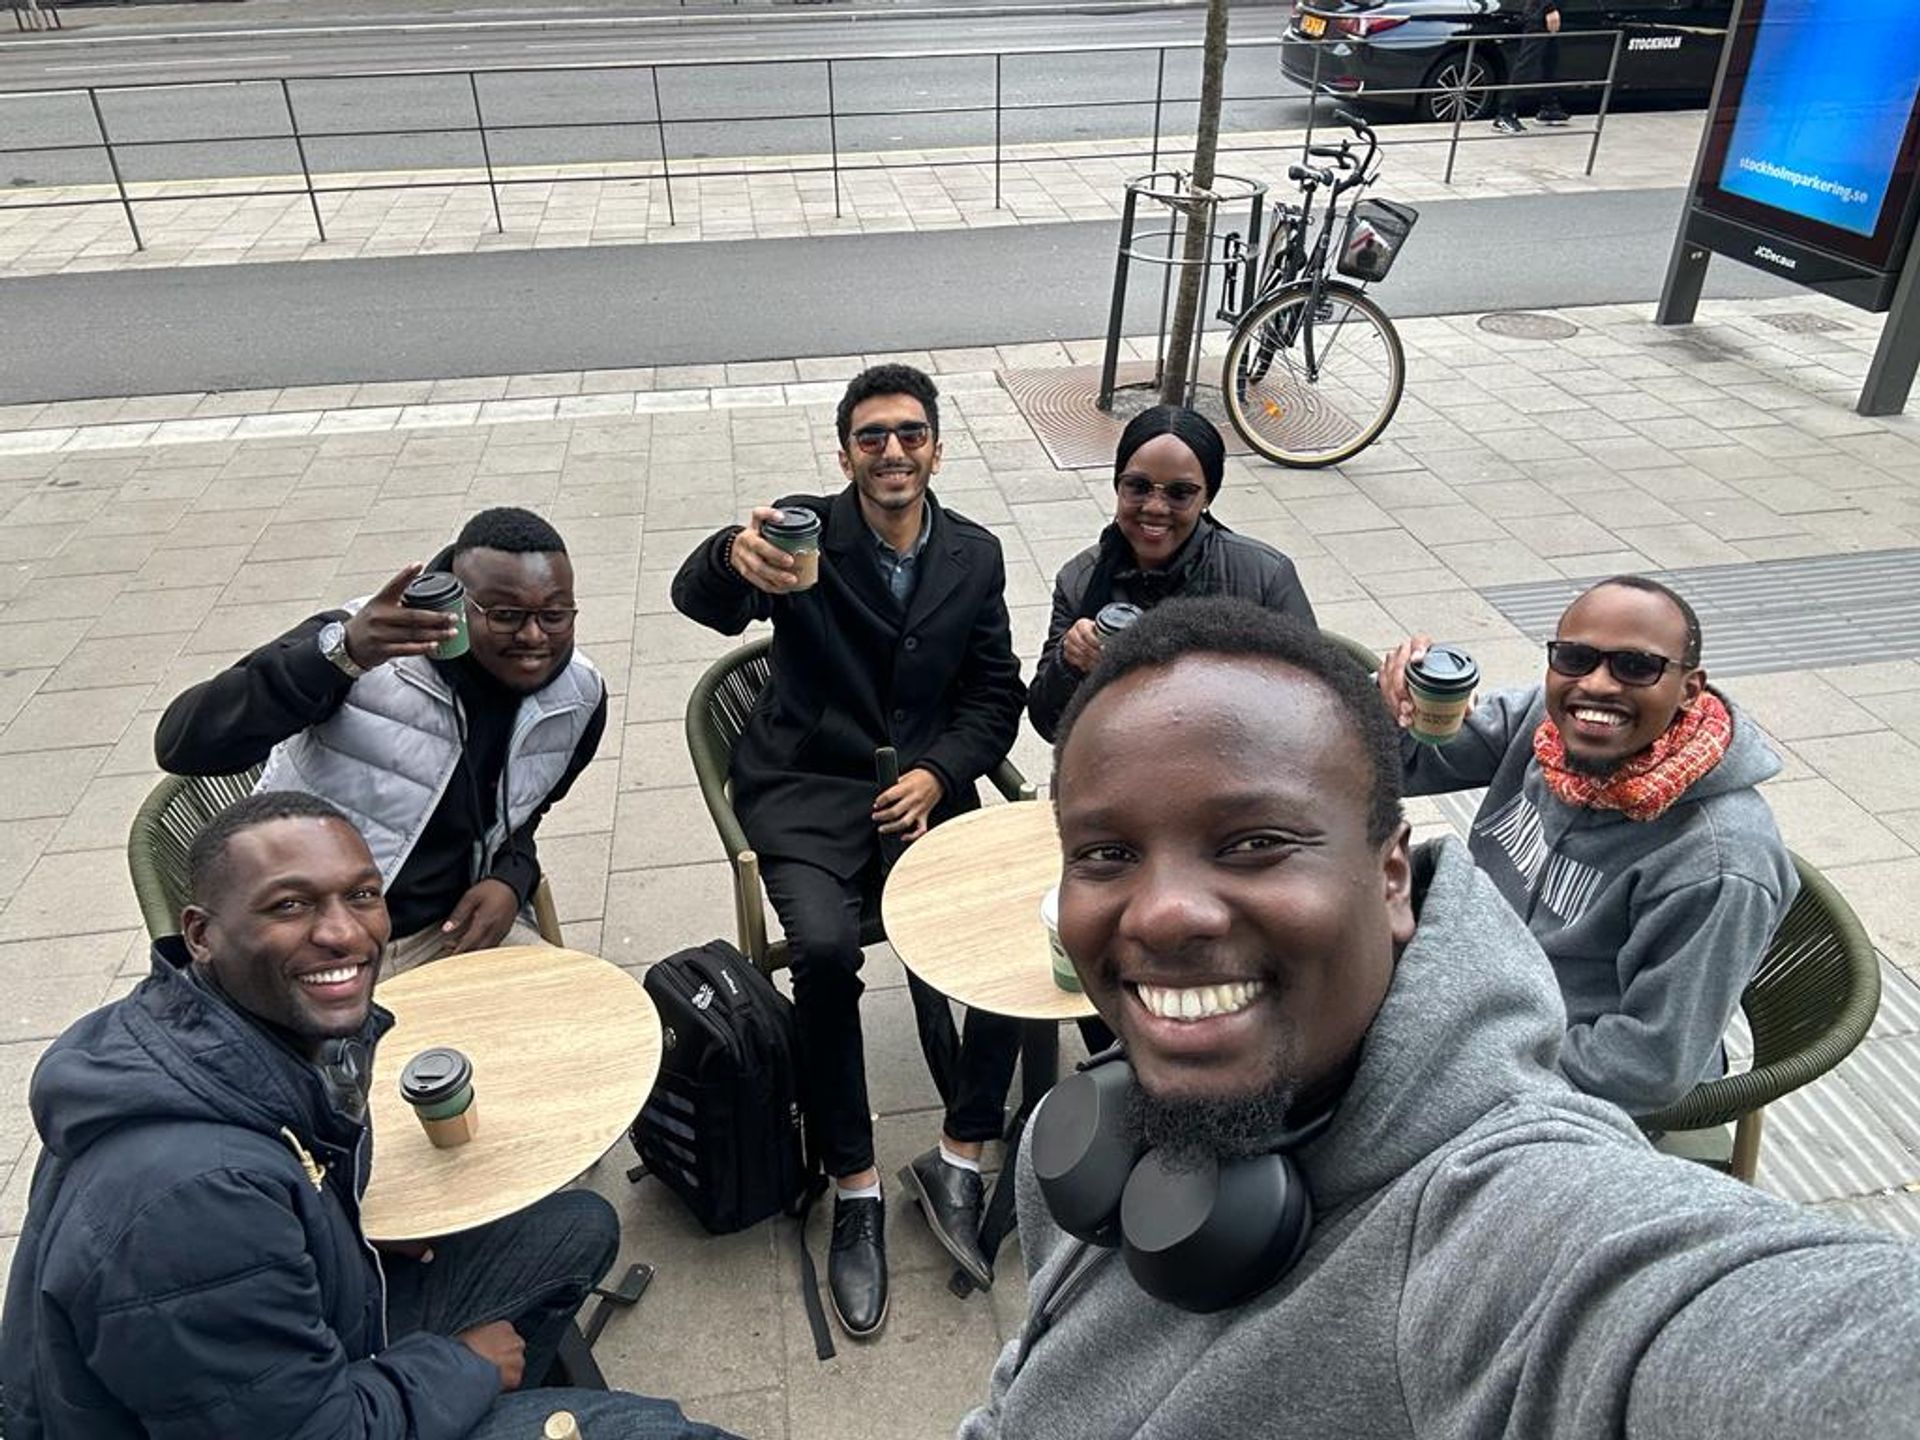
(1686, 959)
(1557, 1285)
(1054, 680)
(1470, 759)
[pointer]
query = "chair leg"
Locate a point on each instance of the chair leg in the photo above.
(546, 915)
(1746, 1146)
(750, 910)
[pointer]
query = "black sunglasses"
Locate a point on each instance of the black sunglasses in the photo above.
(1180, 495)
(872, 439)
(1629, 667)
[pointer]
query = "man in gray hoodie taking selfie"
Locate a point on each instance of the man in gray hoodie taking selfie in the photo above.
(1336, 1186)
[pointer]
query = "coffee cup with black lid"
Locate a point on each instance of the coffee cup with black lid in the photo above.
(1440, 684)
(437, 590)
(798, 533)
(1115, 617)
(438, 1084)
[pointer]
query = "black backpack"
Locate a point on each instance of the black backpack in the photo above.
(723, 1127)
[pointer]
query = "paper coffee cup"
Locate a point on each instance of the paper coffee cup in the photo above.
(438, 1084)
(438, 590)
(1114, 618)
(1440, 684)
(798, 533)
(1064, 974)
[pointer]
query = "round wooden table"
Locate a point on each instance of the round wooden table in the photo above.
(962, 908)
(565, 1048)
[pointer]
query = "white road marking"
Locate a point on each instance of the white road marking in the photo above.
(148, 64)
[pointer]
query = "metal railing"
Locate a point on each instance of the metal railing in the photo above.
(651, 117)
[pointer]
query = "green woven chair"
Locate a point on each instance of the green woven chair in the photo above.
(176, 811)
(1809, 1004)
(717, 713)
(1368, 657)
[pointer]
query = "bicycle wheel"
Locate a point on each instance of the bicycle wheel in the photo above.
(1319, 414)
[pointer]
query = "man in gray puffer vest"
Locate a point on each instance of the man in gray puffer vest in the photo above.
(446, 766)
(1622, 823)
(1489, 1253)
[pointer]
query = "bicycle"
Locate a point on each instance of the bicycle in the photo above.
(1314, 368)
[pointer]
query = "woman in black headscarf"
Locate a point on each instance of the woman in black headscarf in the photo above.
(1163, 541)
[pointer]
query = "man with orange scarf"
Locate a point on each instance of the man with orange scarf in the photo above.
(1622, 822)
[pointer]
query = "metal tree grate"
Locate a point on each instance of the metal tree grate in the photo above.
(1059, 404)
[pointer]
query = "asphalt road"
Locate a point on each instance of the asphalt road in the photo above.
(242, 326)
(883, 97)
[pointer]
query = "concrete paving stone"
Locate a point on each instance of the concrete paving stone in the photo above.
(1678, 546)
(1628, 505)
(1456, 614)
(1518, 498)
(654, 754)
(867, 1392)
(652, 913)
(1495, 562)
(1880, 770)
(38, 644)
(1820, 822)
(576, 868)
(1899, 710)
(1881, 893)
(21, 844)
(94, 554)
(1799, 705)
(72, 719)
(194, 568)
(1330, 515)
(124, 660)
(66, 890)
(232, 630)
(17, 686)
(1447, 524)
(45, 783)
(1554, 536)
(1882, 678)
(33, 542)
(16, 1069)
(1399, 490)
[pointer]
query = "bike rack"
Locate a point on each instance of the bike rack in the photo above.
(1185, 207)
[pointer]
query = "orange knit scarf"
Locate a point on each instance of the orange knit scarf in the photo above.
(1647, 785)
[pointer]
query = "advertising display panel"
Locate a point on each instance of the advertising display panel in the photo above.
(1818, 124)
(1810, 169)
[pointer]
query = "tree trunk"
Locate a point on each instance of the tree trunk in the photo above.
(1186, 308)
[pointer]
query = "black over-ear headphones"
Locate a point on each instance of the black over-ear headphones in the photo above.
(1203, 1237)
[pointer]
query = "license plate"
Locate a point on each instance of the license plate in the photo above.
(1312, 26)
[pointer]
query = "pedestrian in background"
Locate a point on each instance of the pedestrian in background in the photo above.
(1537, 63)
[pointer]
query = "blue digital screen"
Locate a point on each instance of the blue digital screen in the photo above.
(1824, 109)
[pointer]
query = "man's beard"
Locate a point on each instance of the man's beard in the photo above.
(1191, 1132)
(1593, 768)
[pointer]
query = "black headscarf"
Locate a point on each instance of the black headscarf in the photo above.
(1147, 588)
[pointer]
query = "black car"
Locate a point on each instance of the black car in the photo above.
(1386, 53)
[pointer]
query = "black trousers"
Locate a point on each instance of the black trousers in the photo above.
(1538, 63)
(821, 914)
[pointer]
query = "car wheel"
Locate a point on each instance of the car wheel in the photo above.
(1456, 87)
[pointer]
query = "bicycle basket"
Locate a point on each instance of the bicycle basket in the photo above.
(1376, 229)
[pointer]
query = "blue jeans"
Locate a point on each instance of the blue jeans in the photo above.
(534, 1269)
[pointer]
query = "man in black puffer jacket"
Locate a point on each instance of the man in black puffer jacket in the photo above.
(192, 1263)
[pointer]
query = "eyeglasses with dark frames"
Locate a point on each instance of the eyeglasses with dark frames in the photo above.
(1179, 494)
(912, 434)
(1630, 667)
(512, 619)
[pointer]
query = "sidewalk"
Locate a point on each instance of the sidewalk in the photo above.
(553, 207)
(139, 554)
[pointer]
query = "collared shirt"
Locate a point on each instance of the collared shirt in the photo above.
(900, 573)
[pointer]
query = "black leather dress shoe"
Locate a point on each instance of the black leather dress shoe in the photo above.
(857, 1266)
(951, 1197)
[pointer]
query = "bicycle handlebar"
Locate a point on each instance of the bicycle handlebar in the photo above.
(1302, 173)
